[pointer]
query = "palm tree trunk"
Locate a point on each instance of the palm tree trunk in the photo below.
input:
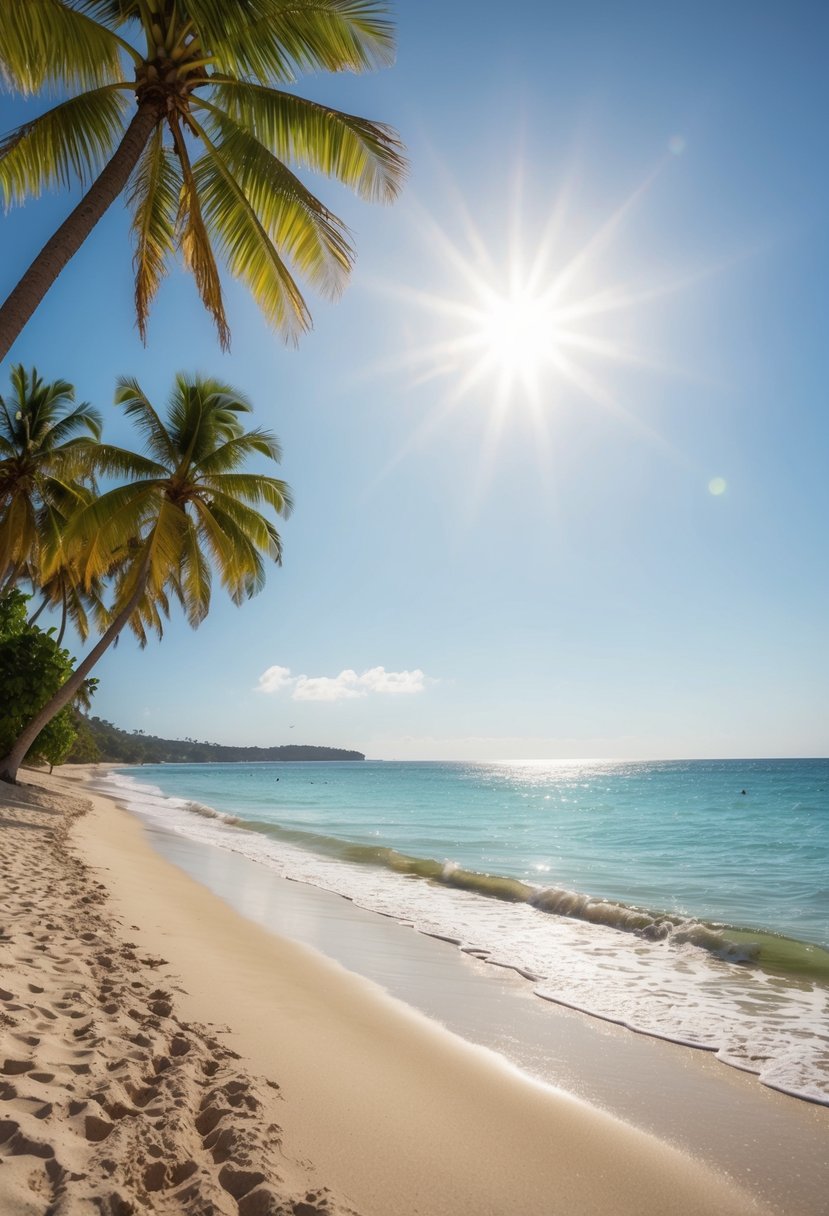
(11, 763)
(63, 615)
(33, 618)
(74, 230)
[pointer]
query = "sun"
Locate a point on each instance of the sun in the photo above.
(517, 335)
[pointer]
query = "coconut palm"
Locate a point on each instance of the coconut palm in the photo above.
(187, 507)
(47, 459)
(174, 101)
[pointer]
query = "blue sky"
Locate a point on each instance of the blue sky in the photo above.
(545, 571)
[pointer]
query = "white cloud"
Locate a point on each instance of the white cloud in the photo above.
(273, 679)
(377, 679)
(328, 688)
(348, 684)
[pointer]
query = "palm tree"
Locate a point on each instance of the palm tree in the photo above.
(47, 460)
(203, 152)
(186, 506)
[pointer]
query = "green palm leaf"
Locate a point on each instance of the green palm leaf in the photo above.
(248, 249)
(153, 197)
(140, 410)
(18, 535)
(277, 39)
(195, 244)
(232, 454)
(247, 520)
(243, 576)
(114, 522)
(73, 140)
(366, 156)
(252, 488)
(113, 461)
(297, 224)
(47, 42)
(194, 579)
(83, 416)
(201, 414)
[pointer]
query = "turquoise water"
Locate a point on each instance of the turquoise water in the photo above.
(659, 895)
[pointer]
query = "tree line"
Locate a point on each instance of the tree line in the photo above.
(99, 740)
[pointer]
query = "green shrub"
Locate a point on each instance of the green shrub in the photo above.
(32, 668)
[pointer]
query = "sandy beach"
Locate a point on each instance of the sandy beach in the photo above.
(161, 1053)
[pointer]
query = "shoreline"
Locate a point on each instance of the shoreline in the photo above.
(677, 978)
(398, 1114)
(682, 1095)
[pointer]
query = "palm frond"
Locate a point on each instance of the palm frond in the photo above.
(301, 229)
(84, 417)
(247, 247)
(365, 156)
(50, 43)
(55, 549)
(276, 39)
(18, 535)
(139, 409)
(113, 13)
(72, 141)
(122, 462)
(203, 413)
(60, 564)
(225, 402)
(195, 244)
(113, 524)
(194, 577)
(221, 549)
(244, 575)
(153, 197)
(153, 607)
(231, 455)
(247, 520)
(169, 527)
(62, 496)
(34, 407)
(253, 488)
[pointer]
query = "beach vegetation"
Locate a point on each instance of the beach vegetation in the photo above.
(184, 509)
(181, 106)
(111, 743)
(32, 669)
(85, 749)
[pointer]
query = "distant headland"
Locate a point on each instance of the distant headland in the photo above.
(101, 741)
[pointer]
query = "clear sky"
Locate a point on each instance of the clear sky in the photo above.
(559, 453)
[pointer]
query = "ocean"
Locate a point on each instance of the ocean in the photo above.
(687, 900)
